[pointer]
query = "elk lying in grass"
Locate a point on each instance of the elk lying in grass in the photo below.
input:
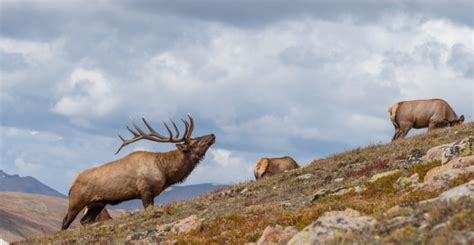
(139, 175)
(271, 166)
(432, 113)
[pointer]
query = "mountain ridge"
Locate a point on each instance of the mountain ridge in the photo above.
(27, 184)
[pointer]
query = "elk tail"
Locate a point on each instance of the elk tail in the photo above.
(393, 114)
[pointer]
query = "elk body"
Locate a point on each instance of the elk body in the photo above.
(271, 166)
(432, 113)
(139, 175)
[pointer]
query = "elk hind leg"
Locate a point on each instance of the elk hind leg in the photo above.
(91, 213)
(404, 129)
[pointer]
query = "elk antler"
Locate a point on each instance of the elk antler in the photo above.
(139, 134)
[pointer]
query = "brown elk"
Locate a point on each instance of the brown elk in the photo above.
(271, 166)
(432, 113)
(139, 175)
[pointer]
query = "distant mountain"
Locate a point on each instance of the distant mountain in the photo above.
(174, 193)
(15, 183)
(24, 214)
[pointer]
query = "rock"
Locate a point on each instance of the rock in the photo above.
(415, 157)
(320, 194)
(398, 211)
(399, 222)
(454, 194)
(378, 176)
(304, 176)
(439, 177)
(139, 236)
(277, 234)
(332, 224)
(186, 225)
(339, 180)
(457, 192)
(446, 152)
(407, 182)
(341, 191)
(359, 189)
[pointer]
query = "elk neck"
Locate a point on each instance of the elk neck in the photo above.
(176, 165)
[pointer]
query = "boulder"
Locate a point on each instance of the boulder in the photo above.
(186, 225)
(333, 224)
(454, 194)
(457, 192)
(446, 152)
(277, 234)
(439, 177)
(407, 182)
(181, 226)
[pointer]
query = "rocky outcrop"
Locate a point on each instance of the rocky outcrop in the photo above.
(333, 224)
(181, 226)
(439, 177)
(454, 194)
(447, 152)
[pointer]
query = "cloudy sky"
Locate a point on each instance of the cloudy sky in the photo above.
(269, 78)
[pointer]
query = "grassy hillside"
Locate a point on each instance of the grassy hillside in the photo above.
(25, 214)
(239, 213)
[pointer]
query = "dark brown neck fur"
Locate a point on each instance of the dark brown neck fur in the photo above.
(177, 169)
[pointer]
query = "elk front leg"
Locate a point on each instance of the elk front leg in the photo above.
(72, 212)
(148, 199)
(438, 124)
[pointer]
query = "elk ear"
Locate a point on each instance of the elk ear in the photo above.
(461, 119)
(182, 147)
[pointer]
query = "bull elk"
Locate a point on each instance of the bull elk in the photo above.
(271, 166)
(139, 175)
(432, 113)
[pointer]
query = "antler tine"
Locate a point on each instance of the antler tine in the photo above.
(186, 129)
(152, 131)
(120, 136)
(175, 128)
(169, 131)
(138, 129)
(133, 132)
(191, 126)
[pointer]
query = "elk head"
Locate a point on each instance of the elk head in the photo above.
(261, 167)
(195, 148)
(460, 120)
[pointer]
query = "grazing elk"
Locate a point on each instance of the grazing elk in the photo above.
(271, 166)
(432, 113)
(139, 175)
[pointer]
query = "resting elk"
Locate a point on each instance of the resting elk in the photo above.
(271, 166)
(432, 113)
(139, 175)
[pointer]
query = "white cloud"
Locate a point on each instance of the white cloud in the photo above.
(87, 94)
(9, 133)
(221, 166)
(25, 168)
